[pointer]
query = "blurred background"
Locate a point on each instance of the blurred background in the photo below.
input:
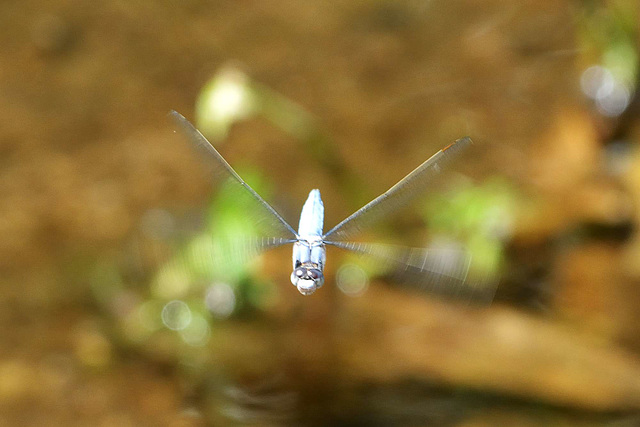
(111, 317)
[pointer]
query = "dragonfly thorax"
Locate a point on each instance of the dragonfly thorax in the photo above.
(308, 265)
(309, 251)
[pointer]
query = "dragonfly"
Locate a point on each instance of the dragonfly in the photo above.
(440, 270)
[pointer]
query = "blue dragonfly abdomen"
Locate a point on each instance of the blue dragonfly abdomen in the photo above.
(312, 217)
(309, 252)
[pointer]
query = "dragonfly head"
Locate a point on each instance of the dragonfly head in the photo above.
(307, 278)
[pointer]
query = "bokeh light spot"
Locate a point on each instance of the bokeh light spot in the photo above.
(220, 300)
(352, 279)
(611, 95)
(615, 102)
(176, 315)
(197, 333)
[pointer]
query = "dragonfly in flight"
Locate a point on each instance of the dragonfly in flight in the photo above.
(443, 270)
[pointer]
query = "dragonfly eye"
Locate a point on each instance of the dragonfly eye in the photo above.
(300, 272)
(314, 274)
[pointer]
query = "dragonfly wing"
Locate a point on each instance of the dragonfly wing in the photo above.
(411, 186)
(263, 215)
(243, 249)
(439, 270)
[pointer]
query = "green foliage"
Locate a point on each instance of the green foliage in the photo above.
(217, 253)
(479, 217)
(609, 34)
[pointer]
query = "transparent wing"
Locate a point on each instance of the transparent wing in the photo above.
(272, 229)
(439, 270)
(411, 186)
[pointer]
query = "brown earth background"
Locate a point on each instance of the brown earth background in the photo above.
(86, 149)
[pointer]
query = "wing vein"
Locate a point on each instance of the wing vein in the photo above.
(400, 194)
(204, 145)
